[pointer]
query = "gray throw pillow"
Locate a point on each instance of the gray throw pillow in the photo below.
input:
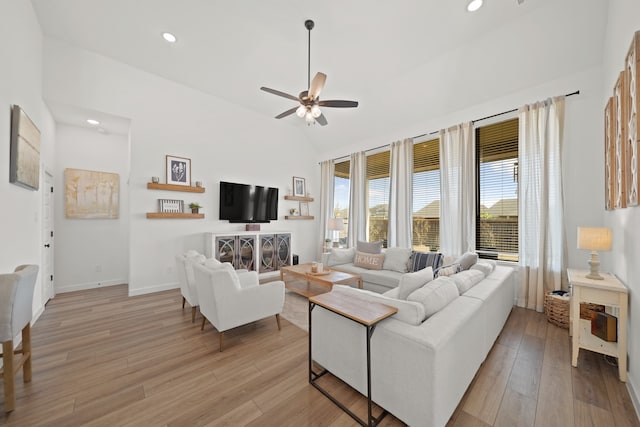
(370, 247)
(467, 260)
(396, 259)
(341, 256)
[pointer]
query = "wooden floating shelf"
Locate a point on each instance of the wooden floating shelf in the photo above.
(173, 187)
(299, 198)
(173, 215)
(297, 217)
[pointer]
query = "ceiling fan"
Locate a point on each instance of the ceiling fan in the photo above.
(309, 100)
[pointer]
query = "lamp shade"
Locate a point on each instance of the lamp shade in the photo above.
(335, 224)
(594, 238)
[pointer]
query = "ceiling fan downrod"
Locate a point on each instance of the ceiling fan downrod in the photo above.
(309, 24)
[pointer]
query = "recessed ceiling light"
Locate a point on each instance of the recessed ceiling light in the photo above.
(93, 122)
(474, 5)
(169, 37)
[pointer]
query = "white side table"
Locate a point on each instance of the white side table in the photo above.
(609, 292)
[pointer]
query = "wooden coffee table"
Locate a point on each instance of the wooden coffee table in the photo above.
(300, 279)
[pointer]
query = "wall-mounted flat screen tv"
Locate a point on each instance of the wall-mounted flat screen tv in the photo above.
(248, 203)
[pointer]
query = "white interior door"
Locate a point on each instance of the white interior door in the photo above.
(47, 238)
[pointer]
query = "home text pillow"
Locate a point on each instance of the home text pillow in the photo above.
(369, 261)
(420, 260)
(448, 270)
(341, 256)
(396, 259)
(435, 295)
(369, 247)
(408, 311)
(467, 259)
(409, 282)
(467, 279)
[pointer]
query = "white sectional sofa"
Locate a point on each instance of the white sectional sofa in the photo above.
(420, 369)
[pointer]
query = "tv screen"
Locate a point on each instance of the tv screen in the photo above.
(248, 203)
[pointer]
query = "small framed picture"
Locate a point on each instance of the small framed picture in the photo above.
(304, 209)
(299, 187)
(178, 171)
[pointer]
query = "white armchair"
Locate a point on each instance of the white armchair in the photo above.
(229, 300)
(187, 283)
(16, 305)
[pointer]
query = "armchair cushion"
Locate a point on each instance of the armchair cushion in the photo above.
(16, 300)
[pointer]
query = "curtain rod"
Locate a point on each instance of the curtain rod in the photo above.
(577, 92)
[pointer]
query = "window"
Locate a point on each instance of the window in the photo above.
(341, 186)
(426, 195)
(378, 196)
(497, 202)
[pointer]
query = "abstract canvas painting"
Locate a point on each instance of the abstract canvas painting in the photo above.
(91, 194)
(24, 168)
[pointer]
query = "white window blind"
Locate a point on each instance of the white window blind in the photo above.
(497, 208)
(426, 195)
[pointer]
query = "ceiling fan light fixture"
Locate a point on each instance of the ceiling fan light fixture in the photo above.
(301, 111)
(474, 5)
(309, 118)
(169, 37)
(315, 111)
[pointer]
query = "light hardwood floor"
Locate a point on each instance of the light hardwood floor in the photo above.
(101, 358)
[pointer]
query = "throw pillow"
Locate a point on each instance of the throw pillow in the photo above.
(368, 261)
(370, 247)
(448, 270)
(467, 279)
(435, 295)
(467, 260)
(341, 256)
(420, 260)
(485, 267)
(409, 282)
(396, 259)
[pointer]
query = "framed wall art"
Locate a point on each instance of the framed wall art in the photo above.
(631, 94)
(178, 171)
(91, 194)
(609, 155)
(620, 136)
(299, 187)
(304, 209)
(24, 167)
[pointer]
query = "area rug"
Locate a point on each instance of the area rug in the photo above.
(296, 310)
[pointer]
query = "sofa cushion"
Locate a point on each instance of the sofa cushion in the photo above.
(369, 261)
(435, 295)
(448, 270)
(386, 278)
(340, 256)
(485, 267)
(409, 282)
(465, 280)
(408, 311)
(369, 247)
(467, 259)
(396, 259)
(420, 260)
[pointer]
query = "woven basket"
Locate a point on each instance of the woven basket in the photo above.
(556, 310)
(588, 310)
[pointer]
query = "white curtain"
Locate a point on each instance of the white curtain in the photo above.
(400, 194)
(541, 215)
(327, 169)
(357, 199)
(457, 190)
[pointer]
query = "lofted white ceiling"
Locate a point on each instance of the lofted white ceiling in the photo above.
(403, 61)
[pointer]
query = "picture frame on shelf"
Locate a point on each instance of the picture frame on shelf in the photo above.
(304, 209)
(299, 189)
(178, 170)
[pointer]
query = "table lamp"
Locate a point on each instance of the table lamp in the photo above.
(335, 224)
(594, 239)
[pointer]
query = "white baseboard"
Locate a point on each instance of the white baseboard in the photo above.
(93, 285)
(632, 393)
(152, 289)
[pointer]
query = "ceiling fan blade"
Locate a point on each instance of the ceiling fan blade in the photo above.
(338, 104)
(277, 92)
(287, 113)
(322, 120)
(316, 85)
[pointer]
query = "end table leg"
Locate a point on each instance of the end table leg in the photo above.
(575, 315)
(622, 338)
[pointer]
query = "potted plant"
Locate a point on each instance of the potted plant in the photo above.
(194, 207)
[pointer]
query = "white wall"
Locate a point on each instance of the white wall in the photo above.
(21, 84)
(91, 252)
(623, 21)
(223, 141)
